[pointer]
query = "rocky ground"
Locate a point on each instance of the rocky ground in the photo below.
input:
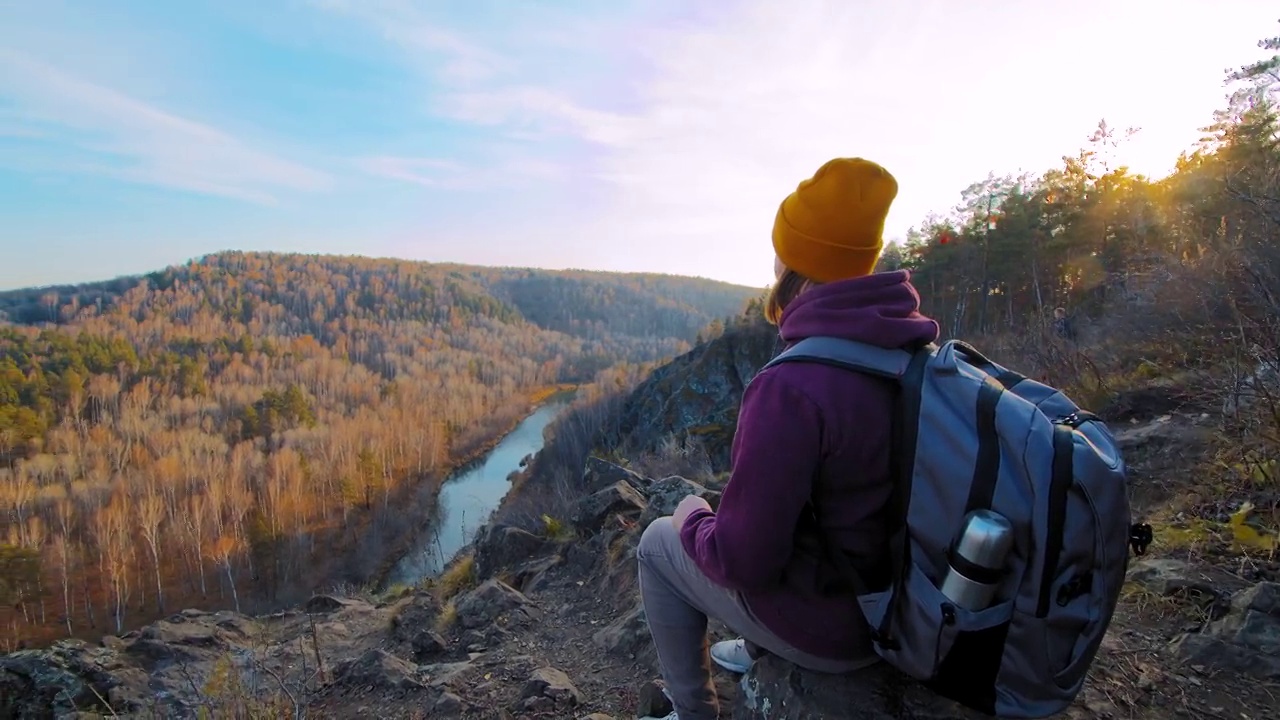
(548, 626)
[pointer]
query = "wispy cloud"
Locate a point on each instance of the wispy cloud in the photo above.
(118, 135)
(467, 80)
(732, 109)
(685, 130)
(13, 126)
(642, 134)
(718, 115)
(447, 55)
(455, 175)
(723, 110)
(536, 112)
(16, 130)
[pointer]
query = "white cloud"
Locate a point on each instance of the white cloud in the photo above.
(118, 135)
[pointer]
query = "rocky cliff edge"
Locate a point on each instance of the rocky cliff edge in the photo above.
(548, 625)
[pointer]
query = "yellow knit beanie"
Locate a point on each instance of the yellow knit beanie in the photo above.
(831, 228)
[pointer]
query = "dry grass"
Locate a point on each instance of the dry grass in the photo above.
(459, 577)
(227, 696)
(541, 395)
(619, 549)
(1184, 537)
(687, 458)
(556, 529)
(394, 592)
(447, 617)
(545, 492)
(456, 579)
(1154, 608)
(242, 684)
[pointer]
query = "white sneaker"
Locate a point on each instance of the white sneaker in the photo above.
(732, 655)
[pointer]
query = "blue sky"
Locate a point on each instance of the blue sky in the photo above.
(625, 135)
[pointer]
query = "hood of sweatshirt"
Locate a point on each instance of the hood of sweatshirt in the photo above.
(882, 309)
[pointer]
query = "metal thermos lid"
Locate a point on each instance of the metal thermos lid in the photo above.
(986, 540)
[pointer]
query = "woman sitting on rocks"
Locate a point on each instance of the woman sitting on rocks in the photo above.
(812, 442)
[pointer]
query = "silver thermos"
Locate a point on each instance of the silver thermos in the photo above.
(984, 542)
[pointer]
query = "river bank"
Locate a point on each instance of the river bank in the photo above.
(468, 498)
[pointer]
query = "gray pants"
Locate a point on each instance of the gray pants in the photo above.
(678, 599)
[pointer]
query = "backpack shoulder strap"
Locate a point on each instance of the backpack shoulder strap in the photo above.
(849, 354)
(907, 368)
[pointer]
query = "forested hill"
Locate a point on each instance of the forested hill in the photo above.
(242, 427)
(303, 294)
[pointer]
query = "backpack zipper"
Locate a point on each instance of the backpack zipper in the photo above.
(1060, 483)
(1077, 418)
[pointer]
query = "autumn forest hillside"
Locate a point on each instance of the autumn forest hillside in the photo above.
(246, 427)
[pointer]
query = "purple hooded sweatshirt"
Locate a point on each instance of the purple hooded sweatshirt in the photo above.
(812, 432)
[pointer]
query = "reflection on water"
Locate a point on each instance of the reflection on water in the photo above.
(468, 498)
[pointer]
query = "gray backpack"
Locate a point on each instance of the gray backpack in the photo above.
(972, 438)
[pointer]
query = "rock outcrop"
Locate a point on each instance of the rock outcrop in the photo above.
(697, 394)
(159, 668)
(547, 689)
(1241, 628)
(504, 547)
(600, 474)
(1207, 588)
(492, 602)
(665, 494)
(618, 499)
(1246, 640)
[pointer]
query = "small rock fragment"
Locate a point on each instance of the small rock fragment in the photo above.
(448, 704)
(551, 683)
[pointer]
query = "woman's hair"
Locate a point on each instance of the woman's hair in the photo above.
(788, 287)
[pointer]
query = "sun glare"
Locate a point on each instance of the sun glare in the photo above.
(1150, 156)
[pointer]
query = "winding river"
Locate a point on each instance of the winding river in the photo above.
(470, 496)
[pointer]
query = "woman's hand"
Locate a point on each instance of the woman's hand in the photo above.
(686, 508)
